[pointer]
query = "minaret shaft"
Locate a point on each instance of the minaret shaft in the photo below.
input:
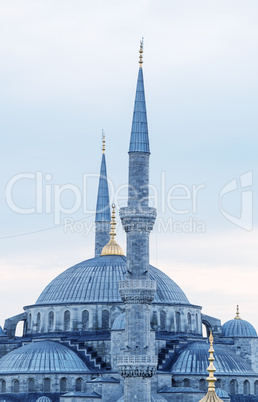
(138, 362)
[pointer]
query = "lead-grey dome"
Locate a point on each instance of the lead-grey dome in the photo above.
(42, 357)
(96, 280)
(193, 359)
(43, 399)
(238, 328)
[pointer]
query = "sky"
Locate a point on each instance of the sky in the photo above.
(68, 70)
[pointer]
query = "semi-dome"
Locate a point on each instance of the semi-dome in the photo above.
(238, 328)
(43, 399)
(193, 359)
(42, 357)
(96, 280)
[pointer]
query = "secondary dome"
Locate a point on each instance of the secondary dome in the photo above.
(238, 328)
(42, 357)
(43, 399)
(96, 280)
(193, 359)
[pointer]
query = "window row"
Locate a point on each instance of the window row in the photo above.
(178, 321)
(47, 386)
(186, 383)
(67, 321)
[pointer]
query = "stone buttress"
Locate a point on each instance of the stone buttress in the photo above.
(137, 363)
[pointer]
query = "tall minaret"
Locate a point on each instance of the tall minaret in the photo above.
(138, 362)
(103, 218)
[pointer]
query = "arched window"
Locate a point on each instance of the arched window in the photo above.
(218, 384)
(233, 387)
(2, 386)
(246, 387)
(178, 322)
(67, 320)
(256, 387)
(16, 386)
(46, 385)
(31, 385)
(38, 321)
(186, 383)
(105, 319)
(202, 385)
(85, 320)
(63, 384)
(163, 319)
(78, 384)
(173, 383)
(51, 321)
(189, 322)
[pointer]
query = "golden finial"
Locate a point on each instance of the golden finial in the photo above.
(112, 248)
(141, 52)
(237, 317)
(211, 395)
(103, 142)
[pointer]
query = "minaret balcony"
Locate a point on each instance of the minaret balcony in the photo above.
(137, 291)
(137, 365)
(138, 219)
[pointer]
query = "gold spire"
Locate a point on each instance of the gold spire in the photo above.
(141, 52)
(103, 142)
(211, 395)
(112, 248)
(237, 317)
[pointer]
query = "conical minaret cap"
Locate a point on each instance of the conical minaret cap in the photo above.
(211, 395)
(112, 248)
(139, 141)
(103, 206)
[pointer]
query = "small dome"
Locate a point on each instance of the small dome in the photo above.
(222, 394)
(119, 323)
(43, 399)
(238, 328)
(193, 359)
(42, 357)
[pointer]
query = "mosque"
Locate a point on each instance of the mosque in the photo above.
(114, 328)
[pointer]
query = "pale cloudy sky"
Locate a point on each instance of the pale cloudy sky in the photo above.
(68, 69)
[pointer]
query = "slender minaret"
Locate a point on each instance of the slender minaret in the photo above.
(138, 362)
(211, 395)
(103, 218)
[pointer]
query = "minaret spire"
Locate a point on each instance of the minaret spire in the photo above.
(211, 395)
(139, 141)
(102, 219)
(138, 362)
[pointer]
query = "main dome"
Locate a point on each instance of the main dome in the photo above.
(42, 357)
(96, 280)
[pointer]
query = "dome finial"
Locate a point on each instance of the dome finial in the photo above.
(112, 248)
(141, 52)
(103, 142)
(237, 317)
(211, 395)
